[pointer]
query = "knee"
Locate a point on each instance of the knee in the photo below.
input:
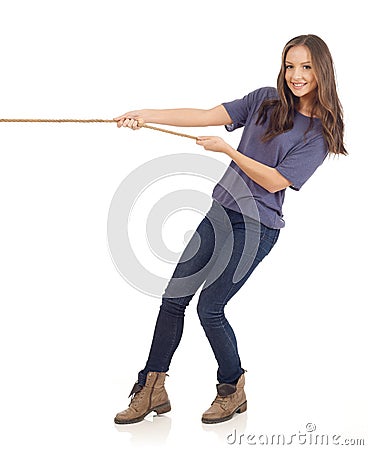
(208, 313)
(201, 314)
(174, 305)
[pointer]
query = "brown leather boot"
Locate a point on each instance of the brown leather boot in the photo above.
(151, 397)
(230, 399)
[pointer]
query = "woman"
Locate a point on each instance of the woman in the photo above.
(287, 134)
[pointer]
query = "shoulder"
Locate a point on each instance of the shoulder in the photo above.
(243, 109)
(256, 98)
(264, 93)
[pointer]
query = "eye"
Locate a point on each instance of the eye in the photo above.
(288, 67)
(307, 67)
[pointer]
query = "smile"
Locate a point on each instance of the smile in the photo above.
(298, 85)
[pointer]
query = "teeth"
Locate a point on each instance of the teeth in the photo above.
(298, 84)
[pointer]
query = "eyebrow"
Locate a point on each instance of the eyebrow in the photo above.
(306, 62)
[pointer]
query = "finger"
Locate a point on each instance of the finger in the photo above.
(120, 120)
(204, 142)
(129, 115)
(128, 123)
(135, 125)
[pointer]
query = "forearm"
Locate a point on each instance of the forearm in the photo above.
(183, 117)
(267, 177)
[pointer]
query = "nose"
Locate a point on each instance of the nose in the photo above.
(297, 75)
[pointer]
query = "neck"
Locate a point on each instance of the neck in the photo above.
(306, 106)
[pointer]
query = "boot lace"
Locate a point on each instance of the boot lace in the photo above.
(136, 398)
(137, 394)
(222, 401)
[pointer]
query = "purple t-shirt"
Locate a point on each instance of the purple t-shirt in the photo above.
(294, 154)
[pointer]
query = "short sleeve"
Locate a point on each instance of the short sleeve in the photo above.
(301, 162)
(241, 109)
(238, 111)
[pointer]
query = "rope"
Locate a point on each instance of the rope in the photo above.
(92, 121)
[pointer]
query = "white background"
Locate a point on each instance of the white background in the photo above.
(73, 332)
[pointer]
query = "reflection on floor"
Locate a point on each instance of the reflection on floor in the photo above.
(155, 429)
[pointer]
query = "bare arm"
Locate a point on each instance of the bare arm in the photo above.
(267, 177)
(183, 117)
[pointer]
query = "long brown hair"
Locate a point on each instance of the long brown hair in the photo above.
(327, 102)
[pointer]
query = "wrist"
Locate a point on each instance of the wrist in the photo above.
(147, 115)
(230, 151)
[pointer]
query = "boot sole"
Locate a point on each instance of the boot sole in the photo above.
(242, 408)
(161, 409)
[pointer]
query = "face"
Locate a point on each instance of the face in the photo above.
(299, 74)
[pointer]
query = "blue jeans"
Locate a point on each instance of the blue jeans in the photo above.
(221, 255)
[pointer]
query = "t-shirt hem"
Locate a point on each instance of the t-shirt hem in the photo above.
(260, 219)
